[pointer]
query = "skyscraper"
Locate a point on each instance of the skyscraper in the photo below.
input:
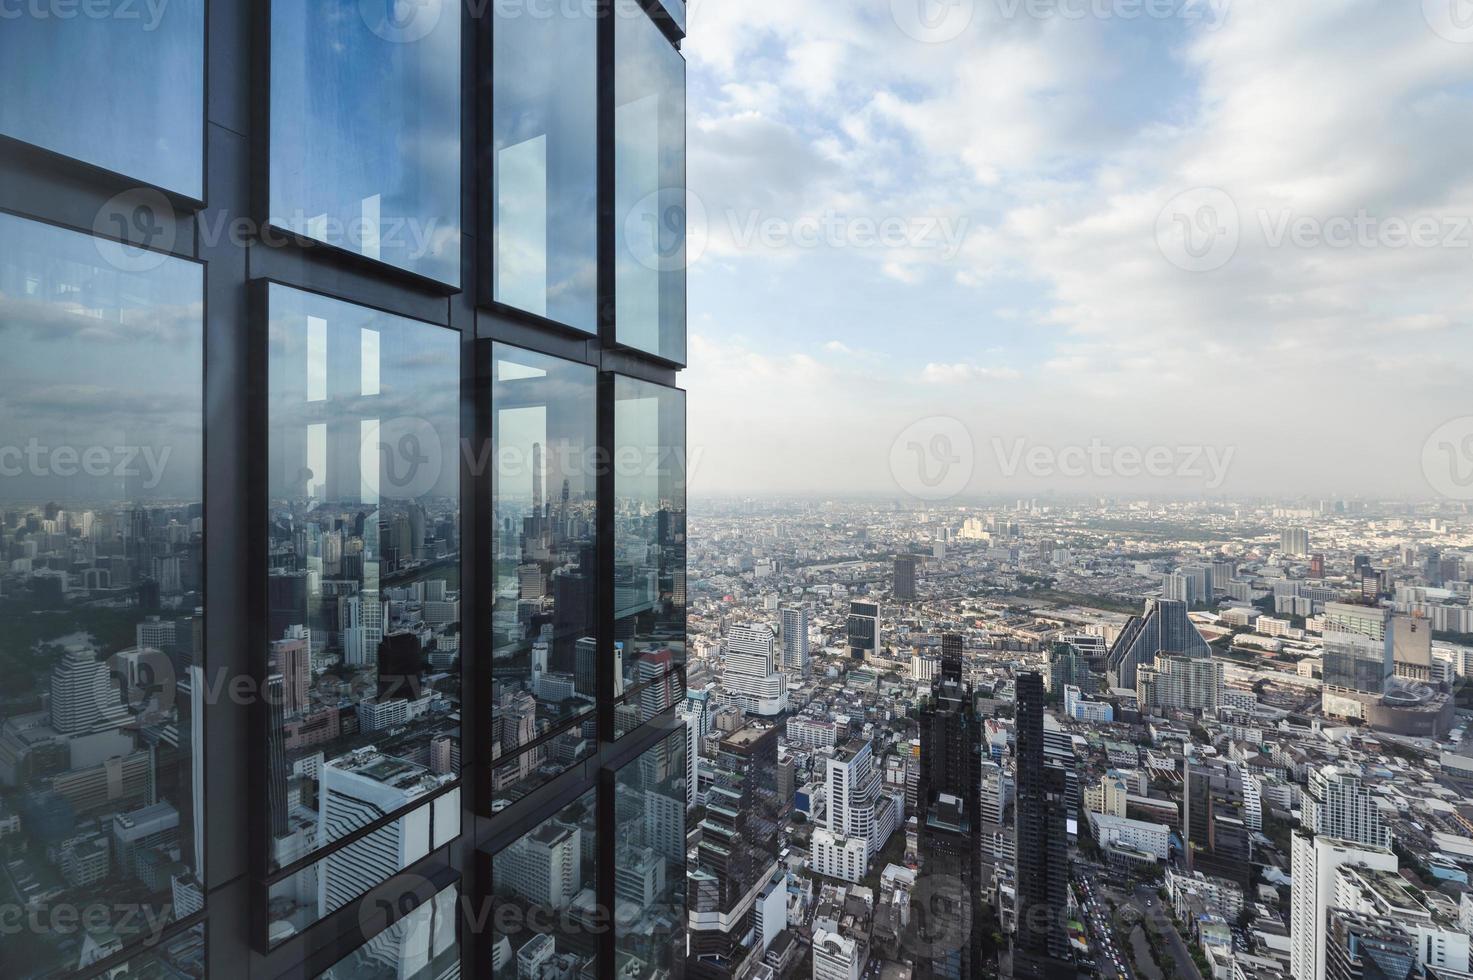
(1340, 825)
(904, 588)
(795, 626)
(738, 852)
(1164, 626)
(948, 801)
(863, 628)
(1041, 948)
(751, 679)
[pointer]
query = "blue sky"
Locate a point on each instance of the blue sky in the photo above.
(1030, 159)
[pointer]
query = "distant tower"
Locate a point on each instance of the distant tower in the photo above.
(1042, 945)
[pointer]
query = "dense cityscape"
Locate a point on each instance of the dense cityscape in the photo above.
(1121, 738)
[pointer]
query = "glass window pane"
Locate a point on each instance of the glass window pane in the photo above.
(544, 505)
(545, 193)
(676, 10)
(101, 608)
(649, 863)
(177, 957)
(514, 776)
(363, 618)
(649, 544)
(152, 130)
(319, 889)
(544, 916)
(365, 129)
(649, 189)
(419, 946)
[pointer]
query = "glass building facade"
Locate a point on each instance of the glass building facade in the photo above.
(342, 490)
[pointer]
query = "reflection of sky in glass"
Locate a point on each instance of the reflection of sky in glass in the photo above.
(649, 167)
(545, 171)
(365, 136)
(336, 367)
(122, 93)
(100, 364)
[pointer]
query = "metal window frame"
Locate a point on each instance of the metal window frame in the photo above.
(43, 186)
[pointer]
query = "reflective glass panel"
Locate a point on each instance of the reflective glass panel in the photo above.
(515, 775)
(545, 171)
(101, 602)
(545, 905)
(363, 590)
(319, 889)
(60, 75)
(649, 190)
(649, 546)
(365, 129)
(649, 861)
(544, 507)
(419, 946)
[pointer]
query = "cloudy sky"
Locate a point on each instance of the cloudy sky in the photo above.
(1046, 231)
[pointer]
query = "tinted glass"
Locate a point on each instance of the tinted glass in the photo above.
(649, 546)
(177, 957)
(316, 890)
(649, 862)
(544, 917)
(101, 602)
(69, 67)
(544, 507)
(545, 172)
(363, 587)
(676, 9)
(365, 129)
(515, 774)
(421, 945)
(650, 197)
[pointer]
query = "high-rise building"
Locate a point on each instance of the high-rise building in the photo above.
(1294, 541)
(1174, 683)
(1041, 947)
(751, 679)
(949, 799)
(863, 628)
(795, 627)
(861, 813)
(904, 587)
(1164, 626)
(1340, 825)
(737, 854)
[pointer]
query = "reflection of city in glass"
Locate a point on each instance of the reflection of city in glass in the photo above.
(649, 548)
(419, 946)
(365, 131)
(101, 618)
(649, 861)
(544, 509)
(363, 618)
(545, 918)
